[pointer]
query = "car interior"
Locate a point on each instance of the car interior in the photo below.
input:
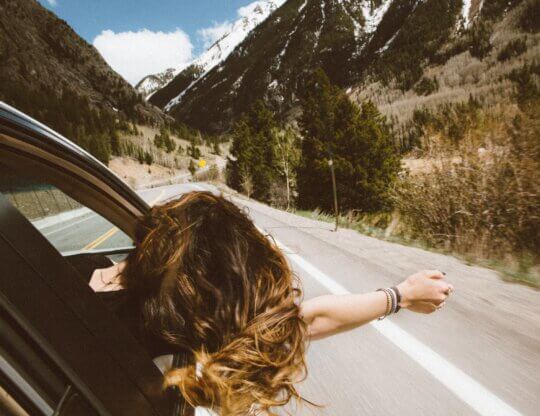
(85, 362)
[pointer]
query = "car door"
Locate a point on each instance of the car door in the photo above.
(49, 188)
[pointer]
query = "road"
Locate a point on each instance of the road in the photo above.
(479, 355)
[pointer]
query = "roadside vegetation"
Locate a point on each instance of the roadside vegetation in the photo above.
(476, 194)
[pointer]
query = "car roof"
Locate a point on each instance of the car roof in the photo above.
(43, 137)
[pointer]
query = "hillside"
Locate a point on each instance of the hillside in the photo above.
(249, 17)
(49, 72)
(357, 43)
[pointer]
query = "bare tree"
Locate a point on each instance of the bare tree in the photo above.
(288, 155)
(247, 183)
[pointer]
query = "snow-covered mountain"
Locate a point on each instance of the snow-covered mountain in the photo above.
(151, 83)
(390, 42)
(248, 18)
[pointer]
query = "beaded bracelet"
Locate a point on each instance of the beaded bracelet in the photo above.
(393, 298)
(388, 303)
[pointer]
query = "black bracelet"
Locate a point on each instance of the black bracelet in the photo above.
(398, 296)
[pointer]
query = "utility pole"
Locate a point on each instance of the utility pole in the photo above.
(332, 173)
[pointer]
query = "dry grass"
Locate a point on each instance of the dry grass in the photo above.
(479, 199)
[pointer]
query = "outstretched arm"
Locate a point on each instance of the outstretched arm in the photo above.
(423, 292)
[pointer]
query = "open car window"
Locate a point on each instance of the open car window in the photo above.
(67, 224)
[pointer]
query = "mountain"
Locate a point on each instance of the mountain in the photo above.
(249, 17)
(51, 73)
(356, 42)
(154, 82)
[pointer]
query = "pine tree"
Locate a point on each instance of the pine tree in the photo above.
(158, 141)
(148, 158)
(192, 168)
(254, 152)
(238, 165)
(359, 142)
(115, 143)
(317, 129)
(193, 150)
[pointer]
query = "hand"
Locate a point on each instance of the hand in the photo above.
(424, 292)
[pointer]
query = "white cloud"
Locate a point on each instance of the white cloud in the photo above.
(213, 33)
(137, 54)
(53, 3)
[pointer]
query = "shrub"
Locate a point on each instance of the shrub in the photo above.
(529, 20)
(480, 34)
(526, 79)
(482, 203)
(148, 158)
(512, 49)
(211, 174)
(426, 86)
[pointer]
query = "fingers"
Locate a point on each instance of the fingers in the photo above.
(440, 300)
(434, 274)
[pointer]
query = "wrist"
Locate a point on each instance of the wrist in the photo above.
(405, 292)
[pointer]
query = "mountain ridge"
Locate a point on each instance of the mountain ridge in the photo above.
(249, 17)
(382, 40)
(49, 72)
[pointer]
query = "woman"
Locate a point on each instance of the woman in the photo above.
(205, 283)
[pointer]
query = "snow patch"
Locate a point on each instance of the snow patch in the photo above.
(373, 16)
(388, 43)
(466, 11)
(238, 81)
(357, 26)
(319, 31)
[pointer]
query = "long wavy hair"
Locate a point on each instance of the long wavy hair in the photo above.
(212, 285)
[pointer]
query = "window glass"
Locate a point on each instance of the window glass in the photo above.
(68, 225)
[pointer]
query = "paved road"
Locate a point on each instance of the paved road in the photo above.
(479, 355)
(90, 231)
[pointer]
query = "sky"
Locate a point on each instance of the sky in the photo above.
(141, 37)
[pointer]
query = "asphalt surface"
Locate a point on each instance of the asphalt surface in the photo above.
(473, 357)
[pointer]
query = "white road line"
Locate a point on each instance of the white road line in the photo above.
(197, 187)
(471, 392)
(90, 215)
(463, 386)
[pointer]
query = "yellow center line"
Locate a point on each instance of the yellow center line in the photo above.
(104, 237)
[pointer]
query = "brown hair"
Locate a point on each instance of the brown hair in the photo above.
(214, 286)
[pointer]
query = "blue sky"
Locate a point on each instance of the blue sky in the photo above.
(176, 30)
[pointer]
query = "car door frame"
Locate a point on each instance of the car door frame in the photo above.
(27, 144)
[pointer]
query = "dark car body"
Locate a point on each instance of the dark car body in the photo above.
(61, 351)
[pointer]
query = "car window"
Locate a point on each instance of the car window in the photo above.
(68, 225)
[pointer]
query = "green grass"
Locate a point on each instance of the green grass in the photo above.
(522, 270)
